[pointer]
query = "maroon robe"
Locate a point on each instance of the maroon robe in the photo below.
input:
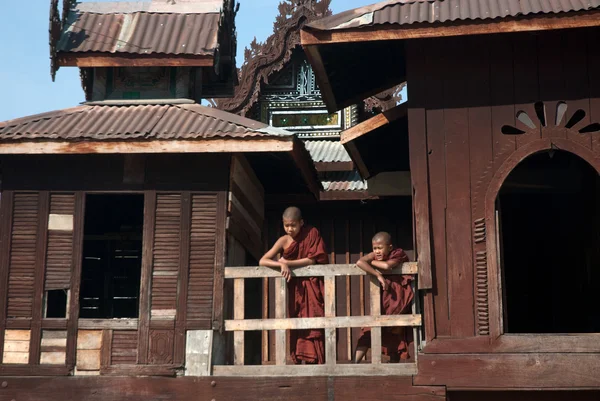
(306, 297)
(395, 301)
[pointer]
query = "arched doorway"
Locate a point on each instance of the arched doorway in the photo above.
(547, 219)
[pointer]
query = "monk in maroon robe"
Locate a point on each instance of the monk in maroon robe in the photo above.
(396, 298)
(301, 246)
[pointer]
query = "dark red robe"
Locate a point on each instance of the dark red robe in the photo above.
(395, 301)
(306, 297)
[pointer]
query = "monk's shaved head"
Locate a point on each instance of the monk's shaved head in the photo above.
(292, 213)
(383, 237)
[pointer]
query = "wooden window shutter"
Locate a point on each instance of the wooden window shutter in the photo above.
(23, 254)
(166, 255)
(59, 253)
(203, 231)
(124, 347)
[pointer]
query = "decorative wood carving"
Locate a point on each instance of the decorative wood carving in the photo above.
(479, 231)
(262, 60)
(161, 347)
(483, 315)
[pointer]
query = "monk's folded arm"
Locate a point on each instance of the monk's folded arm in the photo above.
(301, 262)
(385, 264)
(267, 259)
(366, 267)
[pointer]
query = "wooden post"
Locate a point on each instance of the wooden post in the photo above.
(375, 292)
(330, 334)
(238, 313)
(281, 304)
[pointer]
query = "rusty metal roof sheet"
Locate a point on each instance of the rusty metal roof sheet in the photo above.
(343, 181)
(142, 28)
(404, 12)
(327, 151)
(139, 122)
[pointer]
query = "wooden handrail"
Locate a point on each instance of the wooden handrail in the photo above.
(312, 271)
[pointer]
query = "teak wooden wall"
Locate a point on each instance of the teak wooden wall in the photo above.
(464, 92)
(41, 243)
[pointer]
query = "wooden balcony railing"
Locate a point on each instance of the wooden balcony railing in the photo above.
(281, 323)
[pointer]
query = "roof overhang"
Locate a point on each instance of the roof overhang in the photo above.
(326, 46)
(386, 132)
(99, 60)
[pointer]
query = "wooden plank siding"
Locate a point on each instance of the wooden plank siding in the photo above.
(472, 111)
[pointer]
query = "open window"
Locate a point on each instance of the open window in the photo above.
(112, 256)
(548, 215)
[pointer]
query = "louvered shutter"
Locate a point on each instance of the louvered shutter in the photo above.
(202, 257)
(22, 262)
(59, 253)
(124, 347)
(166, 255)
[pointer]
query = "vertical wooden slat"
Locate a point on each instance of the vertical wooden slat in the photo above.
(182, 290)
(40, 272)
(146, 276)
(6, 227)
(330, 334)
(265, 299)
(219, 261)
(107, 336)
(238, 314)
(348, 293)
(375, 291)
(76, 278)
(281, 304)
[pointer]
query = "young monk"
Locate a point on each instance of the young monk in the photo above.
(396, 298)
(301, 246)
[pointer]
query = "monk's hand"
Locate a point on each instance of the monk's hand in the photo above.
(384, 284)
(285, 271)
(283, 260)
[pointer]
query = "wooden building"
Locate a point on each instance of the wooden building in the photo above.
(503, 120)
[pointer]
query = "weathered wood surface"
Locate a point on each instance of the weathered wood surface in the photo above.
(363, 369)
(218, 388)
(535, 371)
(312, 271)
(324, 322)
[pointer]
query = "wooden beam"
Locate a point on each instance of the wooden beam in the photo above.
(281, 312)
(313, 55)
(380, 120)
(330, 311)
(132, 60)
(104, 324)
(313, 271)
(324, 167)
(540, 22)
(154, 146)
(497, 371)
(346, 195)
(238, 313)
(521, 343)
(303, 161)
(374, 321)
(402, 369)
(316, 388)
(357, 158)
(375, 306)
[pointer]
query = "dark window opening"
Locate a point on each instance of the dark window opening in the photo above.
(56, 304)
(112, 256)
(548, 218)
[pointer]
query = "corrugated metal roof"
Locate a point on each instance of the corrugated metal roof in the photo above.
(403, 12)
(140, 122)
(94, 27)
(327, 151)
(343, 181)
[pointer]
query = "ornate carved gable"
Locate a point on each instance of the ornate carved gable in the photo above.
(262, 60)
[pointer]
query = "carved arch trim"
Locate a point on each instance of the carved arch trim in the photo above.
(494, 287)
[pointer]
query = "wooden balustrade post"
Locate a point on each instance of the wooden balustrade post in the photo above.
(238, 314)
(375, 292)
(330, 334)
(281, 307)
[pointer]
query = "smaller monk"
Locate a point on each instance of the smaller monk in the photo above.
(301, 246)
(396, 298)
